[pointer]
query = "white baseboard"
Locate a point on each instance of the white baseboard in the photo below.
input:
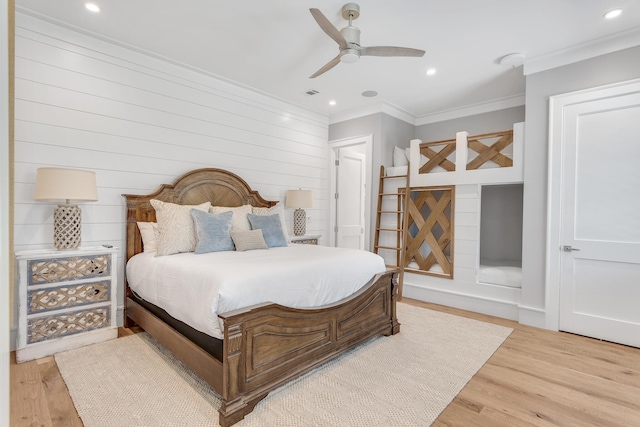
(532, 316)
(503, 309)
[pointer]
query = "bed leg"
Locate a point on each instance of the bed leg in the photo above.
(231, 413)
(395, 325)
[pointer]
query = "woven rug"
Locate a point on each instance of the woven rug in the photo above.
(402, 380)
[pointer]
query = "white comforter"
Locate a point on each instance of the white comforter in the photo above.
(195, 288)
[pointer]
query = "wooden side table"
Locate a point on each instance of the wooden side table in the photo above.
(67, 299)
(307, 239)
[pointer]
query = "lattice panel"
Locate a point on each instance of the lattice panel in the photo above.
(490, 148)
(70, 268)
(437, 153)
(440, 207)
(60, 325)
(67, 296)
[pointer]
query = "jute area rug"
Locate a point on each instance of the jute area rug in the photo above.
(402, 380)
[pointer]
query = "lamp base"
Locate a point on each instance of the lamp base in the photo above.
(67, 227)
(299, 222)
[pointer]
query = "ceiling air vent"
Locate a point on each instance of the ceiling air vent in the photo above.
(311, 92)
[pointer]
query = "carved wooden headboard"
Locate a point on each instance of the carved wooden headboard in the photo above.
(218, 186)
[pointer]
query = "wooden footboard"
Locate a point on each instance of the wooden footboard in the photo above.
(268, 345)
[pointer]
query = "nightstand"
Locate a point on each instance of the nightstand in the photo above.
(307, 239)
(67, 299)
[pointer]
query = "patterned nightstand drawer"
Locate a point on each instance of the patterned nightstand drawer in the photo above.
(62, 325)
(54, 298)
(66, 299)
(305, 240)
(71, 268)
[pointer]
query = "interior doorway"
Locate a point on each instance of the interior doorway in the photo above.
(350, 192)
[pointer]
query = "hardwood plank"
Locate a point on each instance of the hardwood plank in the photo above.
(28, 402)
(536, 378)
(61, 409)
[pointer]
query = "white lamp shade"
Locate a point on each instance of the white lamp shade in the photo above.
(59, 184)
(299, 199)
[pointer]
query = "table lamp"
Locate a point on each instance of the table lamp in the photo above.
(66, 185)
(299, 199)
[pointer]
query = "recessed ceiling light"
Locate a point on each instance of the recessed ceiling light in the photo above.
(613, 13)
(332, 102)
(92, 7)
(431, 71)
(369, 93)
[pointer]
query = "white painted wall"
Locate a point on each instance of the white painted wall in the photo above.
(139, 121)
(5, 252)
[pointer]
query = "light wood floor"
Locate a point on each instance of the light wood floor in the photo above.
(536, 378)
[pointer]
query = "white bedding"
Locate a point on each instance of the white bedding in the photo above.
(195, 288)
(504, 275)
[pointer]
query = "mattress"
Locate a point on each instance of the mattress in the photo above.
(194, 288)
(504, 275)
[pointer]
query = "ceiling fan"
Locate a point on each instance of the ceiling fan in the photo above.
(348, 40)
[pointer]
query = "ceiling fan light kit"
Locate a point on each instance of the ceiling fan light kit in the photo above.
(348, 40)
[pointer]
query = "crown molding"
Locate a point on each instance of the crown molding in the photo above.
(582, 51)
(472, 110)
(380, 107)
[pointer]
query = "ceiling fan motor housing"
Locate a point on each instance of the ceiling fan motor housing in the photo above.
(351, 35)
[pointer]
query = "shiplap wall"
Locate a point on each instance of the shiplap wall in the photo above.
(139, 122)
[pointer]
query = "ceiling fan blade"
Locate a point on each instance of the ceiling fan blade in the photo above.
(328, 28)
(390, 51)
(329, 65)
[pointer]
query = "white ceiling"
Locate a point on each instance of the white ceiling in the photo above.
(273, 46)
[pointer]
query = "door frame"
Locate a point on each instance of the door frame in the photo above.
(333, 147)
(557, 104)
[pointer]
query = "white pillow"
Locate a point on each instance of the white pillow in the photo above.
(277, 209)
(400, 157)
(239, 221)
(177, 232)
(149, 232)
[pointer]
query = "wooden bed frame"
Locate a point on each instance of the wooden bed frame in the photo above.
(264, 345)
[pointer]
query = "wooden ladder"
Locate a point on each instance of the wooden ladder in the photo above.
(399, 222)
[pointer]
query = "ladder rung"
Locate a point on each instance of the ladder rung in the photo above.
(387, 247)
(390, 194)
(389, 211)
(393, 176)
(389, 229)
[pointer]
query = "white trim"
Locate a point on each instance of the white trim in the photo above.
(532, 316)
(471, 110)
(5, 253)
(580, 52)
(455, 113)
(346, 142)
(557, 104)
(367, 110)
(477, 304)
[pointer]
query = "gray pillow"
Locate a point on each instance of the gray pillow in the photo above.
(212, 231)
(271, 229)
(248, 240)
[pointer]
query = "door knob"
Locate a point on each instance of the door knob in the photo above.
(569, 249)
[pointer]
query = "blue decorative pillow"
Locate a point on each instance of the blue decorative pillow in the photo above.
(271, 229)
(212, 231)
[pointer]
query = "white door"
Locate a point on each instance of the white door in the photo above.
(600, 218)
(350, 179)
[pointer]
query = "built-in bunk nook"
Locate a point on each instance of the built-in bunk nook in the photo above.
(462, 222)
